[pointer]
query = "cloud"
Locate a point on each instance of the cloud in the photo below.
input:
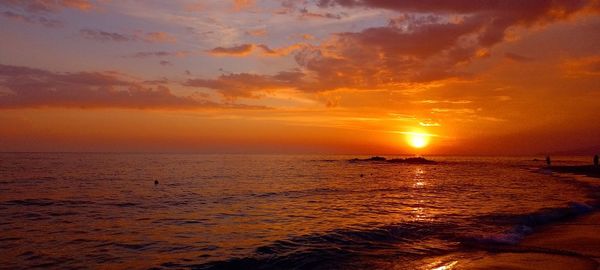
(30, 88)
(157, 37)
(500, 14)
(246, 49)
(160, 54)
(430, 41)
(304, 13)
(266, 50)
(307, 37)
(257, 32)
(38, 6)
(41, 20)
(517, 57)
(246, 85)
(100, 35)
(239, 5)
(195, 7)
(582, 67)
(429, 123)
(239, 50)
(427, 44)
(466, 6)
(431, 101)
(456, 111)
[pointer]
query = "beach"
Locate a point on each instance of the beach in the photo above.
(573, 244)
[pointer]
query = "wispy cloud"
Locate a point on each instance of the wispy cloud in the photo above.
(41, 20)
(238, 50)
(582, 67)
(246, 49)
(239, 5)
(101, 35)
(30, 87)
(518, 57)
(150, 54)
(432, 101)
(257, 32)
(39, 6)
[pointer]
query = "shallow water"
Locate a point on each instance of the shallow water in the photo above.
(268, 212)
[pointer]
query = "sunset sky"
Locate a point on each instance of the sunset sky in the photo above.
(307, 76)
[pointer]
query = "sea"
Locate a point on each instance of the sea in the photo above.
(198, 211)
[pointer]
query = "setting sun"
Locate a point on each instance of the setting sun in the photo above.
(417, 140)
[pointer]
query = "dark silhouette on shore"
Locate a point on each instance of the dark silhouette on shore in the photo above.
(596, 161)
(155, 182)
(548, 161)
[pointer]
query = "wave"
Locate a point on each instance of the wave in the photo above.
(522, 225)
(44, 202)
(334, 249)
(340, 248)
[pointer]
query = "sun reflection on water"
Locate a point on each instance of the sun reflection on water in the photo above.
(419, 213)
(419, 179)
(446, 266)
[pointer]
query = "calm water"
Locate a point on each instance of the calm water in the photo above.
(268, 212)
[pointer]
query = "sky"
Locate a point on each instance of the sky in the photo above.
(474, 77)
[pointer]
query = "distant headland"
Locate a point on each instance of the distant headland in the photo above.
(410, 160)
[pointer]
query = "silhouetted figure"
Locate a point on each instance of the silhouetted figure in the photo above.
(548, 161)
(155, 182)
(596, 161)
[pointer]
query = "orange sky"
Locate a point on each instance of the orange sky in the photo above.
(310, 76)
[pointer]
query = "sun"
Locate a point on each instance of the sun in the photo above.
(417, 140)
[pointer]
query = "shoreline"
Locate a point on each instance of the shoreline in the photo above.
(585, 170)
(573, 244)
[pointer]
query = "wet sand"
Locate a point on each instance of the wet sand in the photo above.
(571, 245)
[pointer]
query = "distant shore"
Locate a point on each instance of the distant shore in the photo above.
(587, 170)
(410, 160)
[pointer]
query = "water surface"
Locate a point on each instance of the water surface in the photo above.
(76, 210)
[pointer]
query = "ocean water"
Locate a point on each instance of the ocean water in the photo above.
(81, 210)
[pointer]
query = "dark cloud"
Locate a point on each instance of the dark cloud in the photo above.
(238, 50)
(583, 67)
(435, 41)
(500, 14)
(100, 35)
(156, 37)
(246, 49)
(463, 6)
(429, 40)
(39, 6)
(41, 20)
(160, 54)
(304, 13)
(29, 87)
(517, 57)
(389, 56)
(249, 85)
